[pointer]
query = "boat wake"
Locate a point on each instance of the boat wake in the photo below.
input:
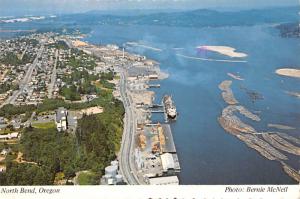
(143, 46)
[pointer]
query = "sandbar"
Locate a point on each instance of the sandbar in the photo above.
(224, 50)
(289, 72)
(295, 94)
(281, 127)
(227, 93)
(237, 77)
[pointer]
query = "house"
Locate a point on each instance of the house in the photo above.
(2, 120)
(2, 123)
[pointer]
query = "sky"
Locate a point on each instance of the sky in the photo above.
(15, 7)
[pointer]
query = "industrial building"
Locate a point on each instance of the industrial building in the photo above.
(61, 119)
(141, 72)
(64, 121)
(169, 180)
(156, 155)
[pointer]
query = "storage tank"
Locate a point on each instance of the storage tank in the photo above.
(114, 163)
(119, 178)
(110, 181)
(111, 170)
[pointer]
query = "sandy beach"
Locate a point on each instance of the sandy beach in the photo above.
(289, 72)
(224, 50)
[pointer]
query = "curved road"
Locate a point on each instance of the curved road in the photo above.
(127, 166)
(126, 155)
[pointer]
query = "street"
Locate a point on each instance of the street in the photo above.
(23, 84)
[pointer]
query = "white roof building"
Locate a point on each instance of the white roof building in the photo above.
(167, 161)
(9, 136)
(169, 180)
(61, 119)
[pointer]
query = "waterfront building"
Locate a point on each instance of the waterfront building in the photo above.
(169, 180)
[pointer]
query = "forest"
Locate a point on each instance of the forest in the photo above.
(49, 153)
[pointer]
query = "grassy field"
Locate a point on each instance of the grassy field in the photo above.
(46, 125)
(86, 178)
(100, 86)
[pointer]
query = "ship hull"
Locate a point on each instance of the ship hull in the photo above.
(170, 109)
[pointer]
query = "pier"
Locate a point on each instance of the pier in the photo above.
(154, 85)
(147, 149)
(155, 108)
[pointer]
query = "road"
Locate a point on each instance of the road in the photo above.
(29, 72)
(126, 158)
(24, 52)
(24, 83)
(29, 121)
(53, 77)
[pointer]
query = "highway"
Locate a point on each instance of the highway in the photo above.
(126, 157)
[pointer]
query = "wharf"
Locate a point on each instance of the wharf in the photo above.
(169, 146)
(154, 85)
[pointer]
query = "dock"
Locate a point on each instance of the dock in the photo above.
(154, 85)
(170, 145)
(156, 110)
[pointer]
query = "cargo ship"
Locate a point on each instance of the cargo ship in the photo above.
(169, 106)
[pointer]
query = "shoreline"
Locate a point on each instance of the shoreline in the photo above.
(136, 72)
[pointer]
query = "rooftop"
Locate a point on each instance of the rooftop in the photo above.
(169, 180)
(140, 71)
(61, 114)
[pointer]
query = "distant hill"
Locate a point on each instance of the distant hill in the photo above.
(132, 12)
(195, 18)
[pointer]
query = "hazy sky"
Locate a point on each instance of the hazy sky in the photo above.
(62, 6)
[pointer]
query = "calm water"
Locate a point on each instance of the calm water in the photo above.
(209, 155)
